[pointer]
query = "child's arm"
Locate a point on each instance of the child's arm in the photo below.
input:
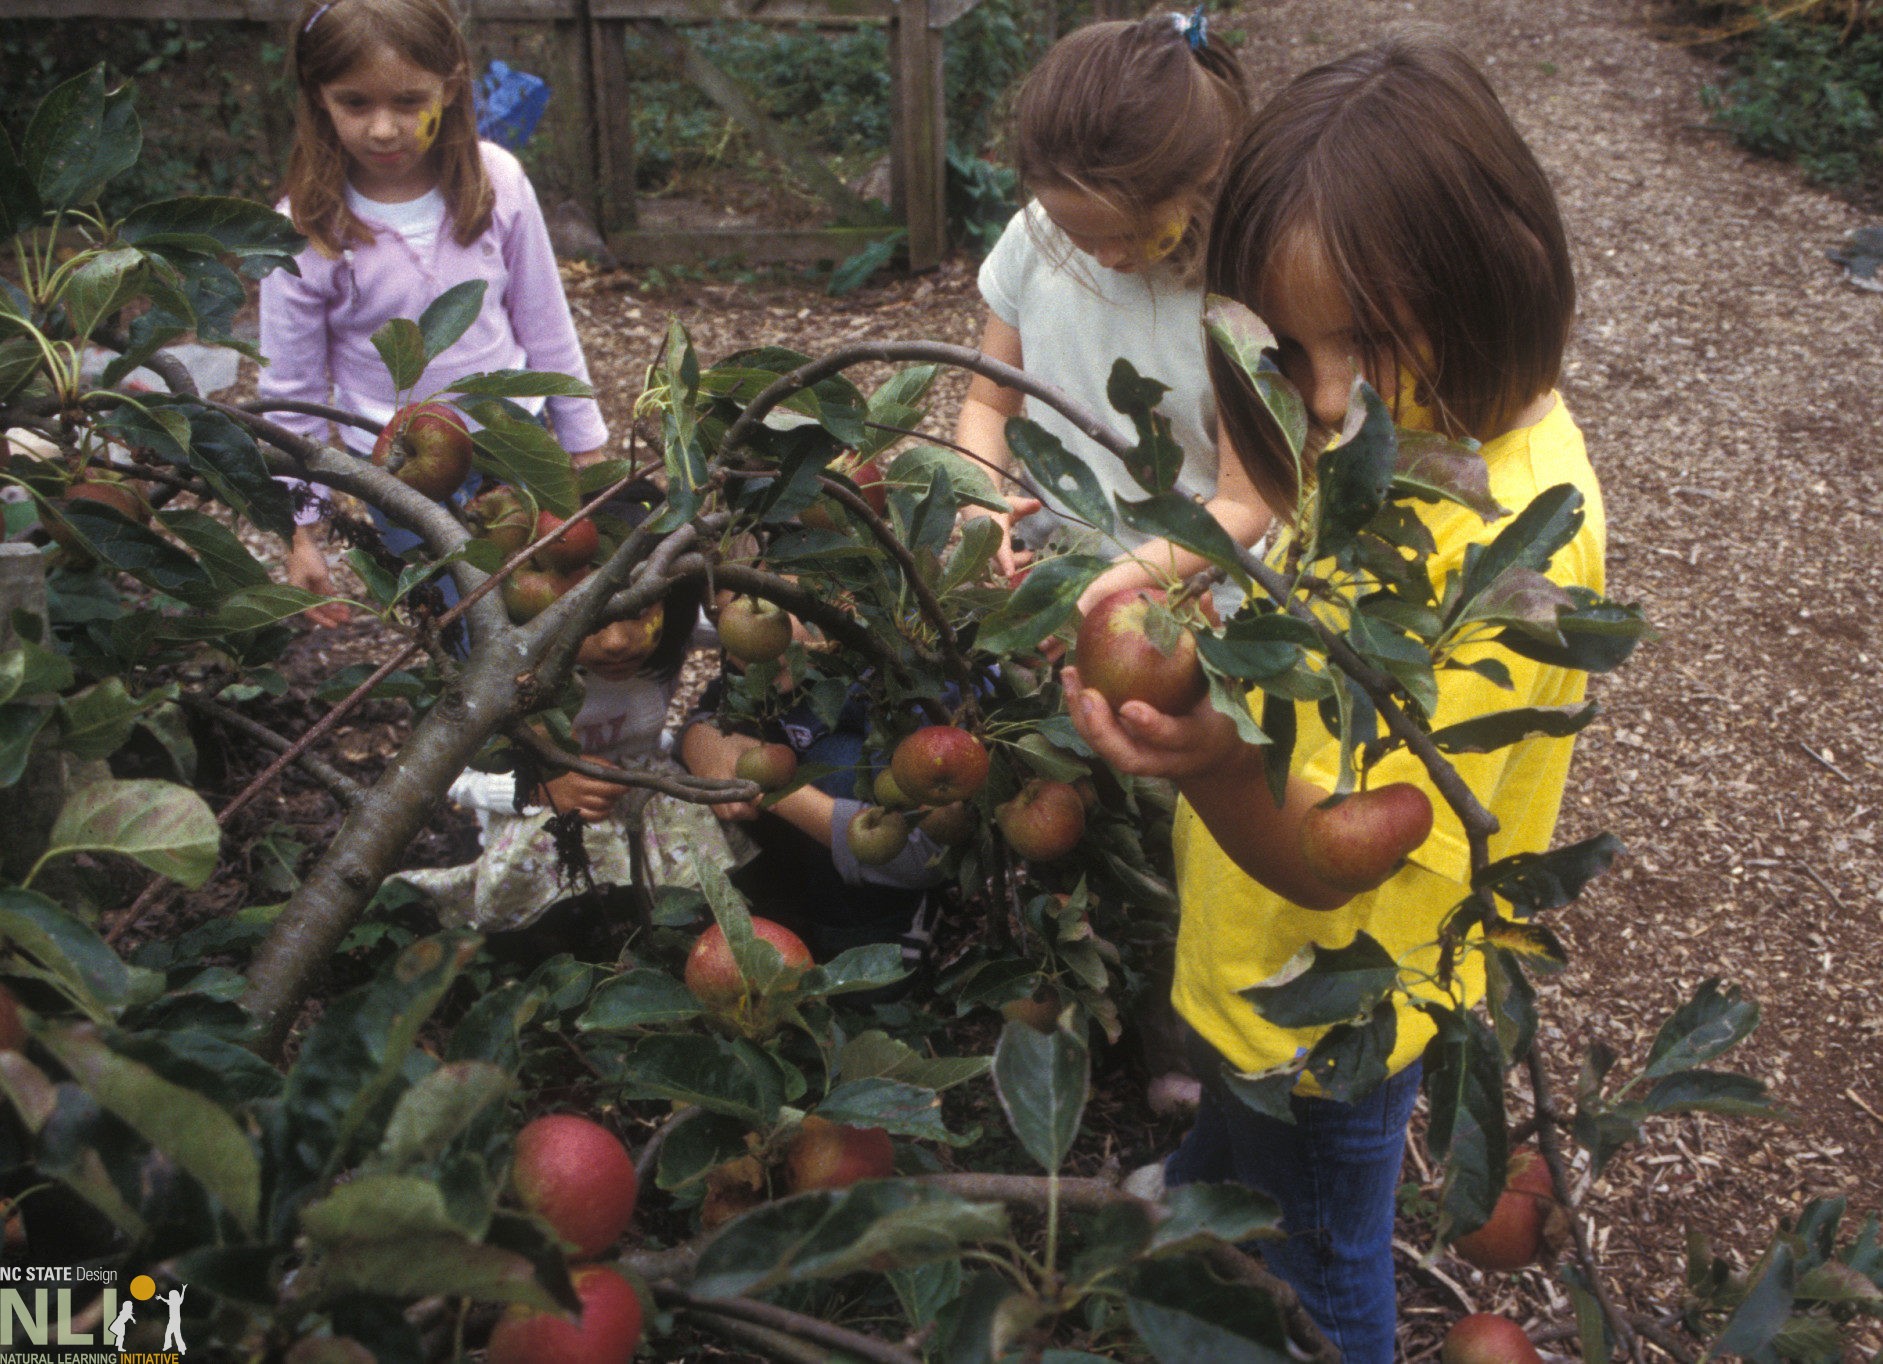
(1219, 775)
(1237, 507)
(982, 428)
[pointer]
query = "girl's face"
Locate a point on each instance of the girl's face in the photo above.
(386, 112)
(1109, 236)
(619, 648)
(1322, 347)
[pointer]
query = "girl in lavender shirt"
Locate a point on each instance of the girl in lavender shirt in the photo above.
(400, 202)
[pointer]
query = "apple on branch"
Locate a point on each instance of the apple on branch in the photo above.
(427, 447)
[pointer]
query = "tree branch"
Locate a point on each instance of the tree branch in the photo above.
(791, 1323)
(339, 785)
(695, 790)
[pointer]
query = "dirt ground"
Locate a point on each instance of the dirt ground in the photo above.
(1728, 382)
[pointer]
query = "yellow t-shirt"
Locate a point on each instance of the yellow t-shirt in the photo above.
(1235, 933)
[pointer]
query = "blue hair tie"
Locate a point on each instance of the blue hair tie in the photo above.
(314, 18)
(1195, 28)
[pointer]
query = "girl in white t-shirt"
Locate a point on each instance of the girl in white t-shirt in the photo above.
(1119, 135)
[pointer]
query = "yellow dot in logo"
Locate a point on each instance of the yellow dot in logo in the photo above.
(143, 1287)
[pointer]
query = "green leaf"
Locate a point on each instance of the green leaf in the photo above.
(1187, 522)
(520, 383)
(72, 954)
(431, 1114)
(1197, 1214)
(1764, 1312)
(101, 286)
(1156, 460)
(192, 1130)
(1501, 728)
(434, 1265)
(209, 224)
(1530, 541)
(1321, 985)
(868, 967)
(1045, 601)
(250, 609)
(1185, 1314)
(1435, 468)
(220, 551)
(876, 1055)
(1464, 1090)
(918, 466)
(701, 1142)
(1247, 341)
(166, 827)
(1596, 635)
(20, 723)
(637, 999)
(1535, 882)
(524, 455)
(1352, 478)
(721, 1076)
(1707, 1025)
(125, 545)
(1408, 660)
(1065, 481)
(81, 138)
(1709, 1091)
(1255, 647)
(1532, 942)
(980, 541)
(378, 1207)
(902, 1110)
(448, 317)
(1349, 1060)
(856, 269)
(876, 1225)
(1042, 1080)
(94, 723)
(1524, 599)
(401, 345)
(19, 200)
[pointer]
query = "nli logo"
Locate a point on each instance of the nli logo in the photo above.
(38, 1306)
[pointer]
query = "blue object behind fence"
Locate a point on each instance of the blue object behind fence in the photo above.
(509, 104)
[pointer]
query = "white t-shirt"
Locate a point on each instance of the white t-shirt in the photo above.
(1075, 318)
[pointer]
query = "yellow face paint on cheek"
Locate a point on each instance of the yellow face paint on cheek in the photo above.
(1166, 239)
(428, 123)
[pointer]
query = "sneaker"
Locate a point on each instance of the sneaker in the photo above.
(919, 935)
(1174, 1094)
(1146, 1182)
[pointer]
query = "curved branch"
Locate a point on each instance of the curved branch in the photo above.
(694, 790)
(826, 615)
(339, 785)
(783, 1319)
(766, 1341)
(337, 415)
(164, 365)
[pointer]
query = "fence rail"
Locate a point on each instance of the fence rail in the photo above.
(592, 34)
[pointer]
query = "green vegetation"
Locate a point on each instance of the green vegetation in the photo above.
(1810, 89)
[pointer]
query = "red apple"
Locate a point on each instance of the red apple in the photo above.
(578, 1177)
(576, 547)
(876, 835)
(427, 447)
(754, 630)
(119, 496)
(769, 766)
(1039, 1010)
(1118, 656)
(500, 516)
(1484, 1338)
(607, 1332)
(12, 1026)
(1513, 1236)
(1358, 843)
(1044, 821)
(939, 764)
(950, 825)
(528, 592)
(828, 1155)
(713, 976)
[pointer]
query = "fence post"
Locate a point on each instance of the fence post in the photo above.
(611, 105)
(919, 131)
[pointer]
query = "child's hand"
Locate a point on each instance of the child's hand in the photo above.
(705, 752)
(581, 459)
(590, 797)
(1006, 558)
(307, 569)
(1140, 740)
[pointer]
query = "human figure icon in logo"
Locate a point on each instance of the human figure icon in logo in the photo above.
(122, 1323)
(174, 1330)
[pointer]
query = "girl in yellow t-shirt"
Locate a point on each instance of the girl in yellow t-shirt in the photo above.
(1383, 217)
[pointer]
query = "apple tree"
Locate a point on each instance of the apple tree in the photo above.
(339, 1167)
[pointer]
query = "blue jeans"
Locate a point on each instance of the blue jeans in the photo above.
(1335, 1173)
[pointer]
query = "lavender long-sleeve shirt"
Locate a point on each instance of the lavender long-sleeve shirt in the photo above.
(316, 330)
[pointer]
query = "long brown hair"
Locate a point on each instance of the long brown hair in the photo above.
(1401, 164)
(331, 39)
(1133, 115)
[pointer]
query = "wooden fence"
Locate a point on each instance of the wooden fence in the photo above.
(590, 36)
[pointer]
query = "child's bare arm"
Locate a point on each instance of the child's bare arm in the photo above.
(982, 428)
